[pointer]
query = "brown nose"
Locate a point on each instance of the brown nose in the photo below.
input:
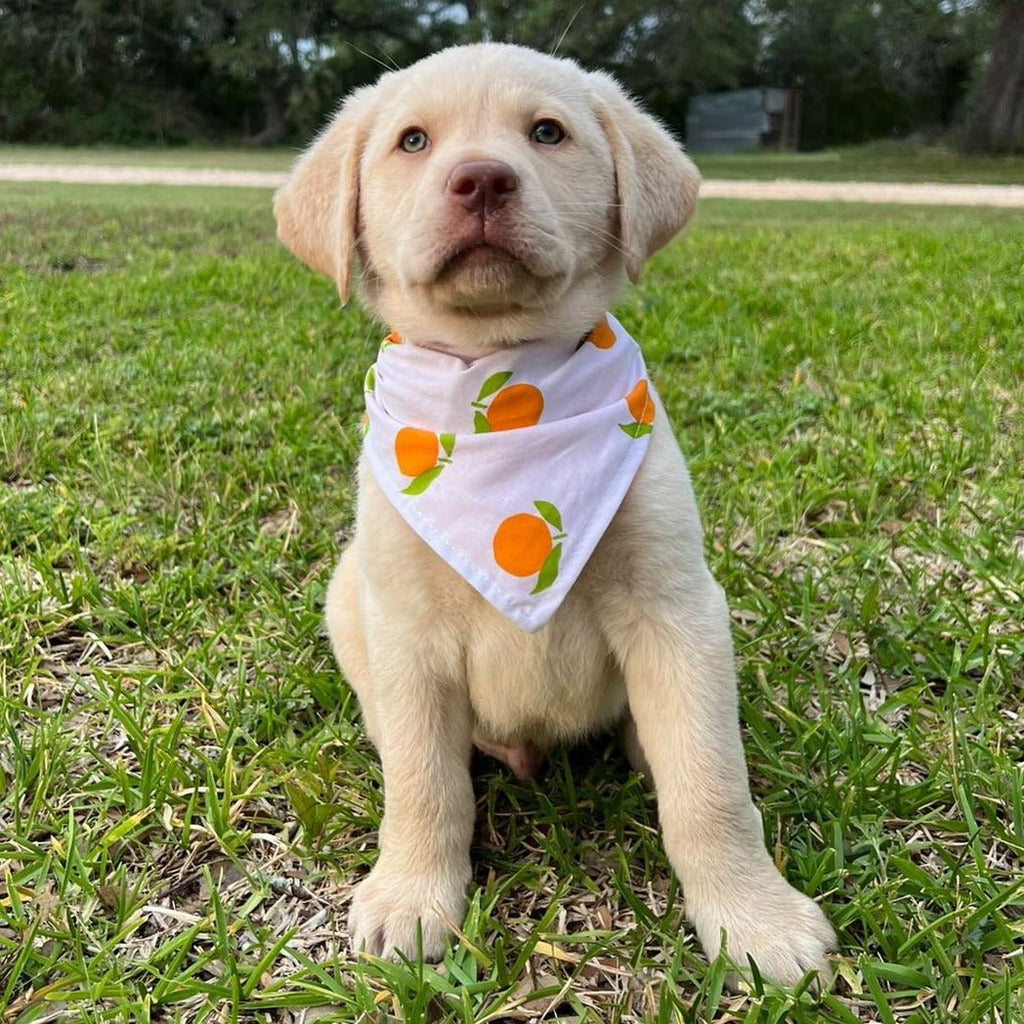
(482, 185)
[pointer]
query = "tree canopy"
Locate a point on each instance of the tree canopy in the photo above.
(267, 71)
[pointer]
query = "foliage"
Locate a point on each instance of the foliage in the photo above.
(872, 70)
(265, 70)
(186, 797)
(77, 71)
(172, 71)
(301, 58)
(661, 50)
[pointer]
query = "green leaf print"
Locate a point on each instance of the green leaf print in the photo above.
(423, 481)
(549, 570)
(447, 443)
(480, 424)
(549, 514)
(493, 383)
(635, 430)
(370, 383)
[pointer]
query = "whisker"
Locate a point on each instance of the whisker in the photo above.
(388, 65)
(572, 21)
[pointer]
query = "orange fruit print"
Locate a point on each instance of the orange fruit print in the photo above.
(641, 407)
(416, 450)
(518, 405)
(521, 544)
(524, 544)
(602, 336)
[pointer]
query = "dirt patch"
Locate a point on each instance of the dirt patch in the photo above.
(84, 174)
(917, 193)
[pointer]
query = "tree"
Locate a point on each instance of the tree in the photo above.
(997, 122)
(871, 70)
(175, 70)
(78, 70)
(268, 70)
(663, 51)
(299, 58)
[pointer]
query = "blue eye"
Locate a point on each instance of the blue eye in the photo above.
(414, 141)
(547, 133)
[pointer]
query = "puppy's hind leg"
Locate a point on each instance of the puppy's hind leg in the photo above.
(345, 630)
(630, 742)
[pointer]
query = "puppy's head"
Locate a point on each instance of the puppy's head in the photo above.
(491, 195)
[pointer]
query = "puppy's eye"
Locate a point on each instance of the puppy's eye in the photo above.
(414, 141)
(547, 132)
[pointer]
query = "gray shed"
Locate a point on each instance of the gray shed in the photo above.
(760, 118)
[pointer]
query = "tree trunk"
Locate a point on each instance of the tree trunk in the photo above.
(275, 127)
(996, 124)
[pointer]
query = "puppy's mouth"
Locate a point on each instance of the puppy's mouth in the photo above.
(494, 261)
(476, 256)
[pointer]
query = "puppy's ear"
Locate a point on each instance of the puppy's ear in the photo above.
(317, 208)
(656, 182)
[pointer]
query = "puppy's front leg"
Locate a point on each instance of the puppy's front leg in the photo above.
(424, 734)
(682, 695)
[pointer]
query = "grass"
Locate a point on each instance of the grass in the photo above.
(878, 161)
(275, 159)
(186, 798)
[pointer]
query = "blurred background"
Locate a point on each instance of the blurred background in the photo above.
(725, 74)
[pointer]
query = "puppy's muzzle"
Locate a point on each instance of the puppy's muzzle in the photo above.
(482, 186)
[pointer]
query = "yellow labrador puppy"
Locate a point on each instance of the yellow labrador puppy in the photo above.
(493, 198)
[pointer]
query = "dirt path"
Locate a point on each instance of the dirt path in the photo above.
(918, 193)
(921, 193)
(98, 174)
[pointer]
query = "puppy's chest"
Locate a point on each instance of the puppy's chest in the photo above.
(546, 687)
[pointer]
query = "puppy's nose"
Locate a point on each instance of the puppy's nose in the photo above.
(482, 184)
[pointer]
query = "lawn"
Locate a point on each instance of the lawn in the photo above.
(877, 161)
(186, 798)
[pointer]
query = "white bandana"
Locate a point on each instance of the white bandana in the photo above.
(511, 466)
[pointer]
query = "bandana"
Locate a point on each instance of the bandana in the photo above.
(511, 466)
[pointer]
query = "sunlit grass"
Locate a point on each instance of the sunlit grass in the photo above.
(186, 797)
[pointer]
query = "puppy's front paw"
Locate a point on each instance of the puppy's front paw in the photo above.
(392, 908)
(779, 928)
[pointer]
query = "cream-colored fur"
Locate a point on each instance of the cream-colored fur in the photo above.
(645, 630)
